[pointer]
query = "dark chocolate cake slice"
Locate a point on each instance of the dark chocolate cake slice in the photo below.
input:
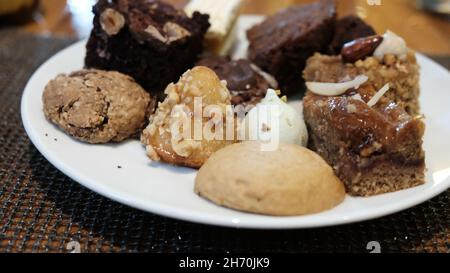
(147, 39)
(283, 42)
(247, 83)
(347, 29)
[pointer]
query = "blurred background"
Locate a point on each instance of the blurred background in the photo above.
(424, 23)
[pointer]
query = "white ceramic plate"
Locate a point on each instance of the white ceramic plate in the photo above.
(168, 191)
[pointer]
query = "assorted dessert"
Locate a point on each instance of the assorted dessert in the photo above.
(383, 58)
(150, 41)
(283, 42)
(197, 88)
(164, 75)
(290, 180)
(374, 147)
(369, 128)
(97, 106)
(223, 15)
(247, 83)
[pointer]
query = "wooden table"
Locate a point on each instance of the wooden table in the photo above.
(425, 32)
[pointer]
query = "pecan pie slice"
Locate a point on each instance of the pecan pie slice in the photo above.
(374, 149)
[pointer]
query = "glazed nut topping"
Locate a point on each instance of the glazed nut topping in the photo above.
(112, 21)
(359, 49)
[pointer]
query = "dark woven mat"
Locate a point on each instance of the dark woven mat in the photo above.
(41, 210)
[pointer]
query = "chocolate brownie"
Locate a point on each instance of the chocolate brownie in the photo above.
(283, 42)
(147, 39)
(247, 83)
(347, 29)
(373, 150)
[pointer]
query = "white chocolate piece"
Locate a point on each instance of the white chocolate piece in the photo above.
(222, 17)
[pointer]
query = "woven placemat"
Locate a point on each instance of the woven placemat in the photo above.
(42, 210)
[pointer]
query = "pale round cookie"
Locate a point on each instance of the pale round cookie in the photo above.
(289, 181)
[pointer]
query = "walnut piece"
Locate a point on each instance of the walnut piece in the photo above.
(171, 32)
(175, 32)
(112, 21)
(154, 32)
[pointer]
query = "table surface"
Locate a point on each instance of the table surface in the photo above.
(42, 210)
(424, 31)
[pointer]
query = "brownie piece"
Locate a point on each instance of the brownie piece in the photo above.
(247, 83)
(347, 29)
(401, 74)
(373, 150)
(149, 40)
(283, 42)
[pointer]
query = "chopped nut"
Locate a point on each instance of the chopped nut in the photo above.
(154, 32)
(185, 148)
(368, 151)
(112, 21)
(194, 92)
(389, 59)
(152, 129)
(351, 108)
(175, 32)
(151, 153)
(173, 98)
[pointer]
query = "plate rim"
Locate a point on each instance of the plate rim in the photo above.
(196, 217)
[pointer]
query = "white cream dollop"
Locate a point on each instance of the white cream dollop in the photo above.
(273, 119)
(392, 44)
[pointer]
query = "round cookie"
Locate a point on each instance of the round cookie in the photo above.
(289, 181)
(97, 106)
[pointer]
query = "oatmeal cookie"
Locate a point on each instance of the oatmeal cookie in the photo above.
(97, 106)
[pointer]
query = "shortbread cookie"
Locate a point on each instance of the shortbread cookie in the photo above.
(288, 181)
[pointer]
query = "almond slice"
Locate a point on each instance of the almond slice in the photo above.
(374, 100)
(335, 89)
